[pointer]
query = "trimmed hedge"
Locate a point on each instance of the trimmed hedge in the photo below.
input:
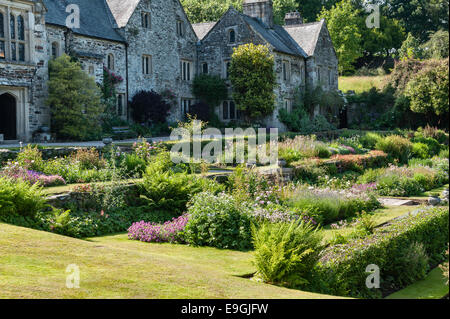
(341, 269)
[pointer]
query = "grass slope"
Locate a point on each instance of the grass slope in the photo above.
(432, 287)
(33, 264)
(360, 84)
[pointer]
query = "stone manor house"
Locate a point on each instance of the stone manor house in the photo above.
(152, 45)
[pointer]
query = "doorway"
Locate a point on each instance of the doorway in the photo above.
(8, 116)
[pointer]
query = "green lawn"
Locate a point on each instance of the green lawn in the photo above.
(33, 264)
(360, 84)
(432, 287)
(381, 216)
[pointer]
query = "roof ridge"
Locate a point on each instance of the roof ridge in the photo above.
(303, 24)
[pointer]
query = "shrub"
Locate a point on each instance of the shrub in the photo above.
(444, 268)
(89, 159)
(74, 99)
(411, 264)
(420, 150)
(30, 158)
(211, 89)
(286, 252)
(434, 147)
(219, 221)
(369, 140)
(19, 198)
(253, 80)
(396, 147)
(149, 106)
(333, 205)
(168, 191)
(134, 164)
(342, 268)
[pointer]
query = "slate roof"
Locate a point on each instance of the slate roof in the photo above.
(122, 10)
(202, 29)
(306, 35)
(96, 19)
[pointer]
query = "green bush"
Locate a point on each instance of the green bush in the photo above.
(411, 265)
(397, 147)
(19, 198)
(421, 150)
(31, 158)
(285, 253)
(434, 147)
(342, 268)
(219, 221)
(393, 185)
(169, 191)
(369, 140)
(332, 205)
(134, 164)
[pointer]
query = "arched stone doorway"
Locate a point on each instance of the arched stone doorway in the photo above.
(8, 116)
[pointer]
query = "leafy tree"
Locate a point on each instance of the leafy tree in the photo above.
(281, 7)
(208, 10)
(311, 9)
(74, 99)
(419, 17)
(212, 10)
(210, 88)
(437, 46)
(428, 90)
(381, 41)
(411, 48)
(253, 79)
(343, 24)
(149, 106)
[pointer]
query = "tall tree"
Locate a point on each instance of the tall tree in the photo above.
(343, 23)
(74, 99)
(253, 80)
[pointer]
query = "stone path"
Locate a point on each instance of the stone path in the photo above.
(85, 144)
(396, 202)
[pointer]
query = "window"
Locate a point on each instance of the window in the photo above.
(180, 28)
(185, 106)
(110, 62)
(2, 37)
(288, 105)
(226, 69)
(146, 64)
(91, 70)
(12, 47)
(146, 20)
(225, 110)
(330, 77)
(229, 111)
(205, 68)
(318, 74)
(232, 36)
(186, 70)
(232, 110)
(286, 71)
(121, 110)
(55, 51)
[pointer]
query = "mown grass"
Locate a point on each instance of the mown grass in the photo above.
(360, 84)
(381, 216)
(432, 287)
(33, 265)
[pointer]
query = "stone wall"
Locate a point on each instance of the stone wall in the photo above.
(325, 62)
(215, 50)
(166, 48)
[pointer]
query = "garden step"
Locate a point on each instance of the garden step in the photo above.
(397, 202)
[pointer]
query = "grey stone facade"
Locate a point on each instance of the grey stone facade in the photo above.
(152, 46)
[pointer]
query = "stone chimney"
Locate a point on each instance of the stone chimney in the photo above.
(262, 9)
(293, 18)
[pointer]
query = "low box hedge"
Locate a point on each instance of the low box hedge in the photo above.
(342, 268)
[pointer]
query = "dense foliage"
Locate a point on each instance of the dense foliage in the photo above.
(253, 79)
(74, 99)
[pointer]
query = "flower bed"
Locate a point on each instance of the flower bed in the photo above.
(15, 172)
(170, 232)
